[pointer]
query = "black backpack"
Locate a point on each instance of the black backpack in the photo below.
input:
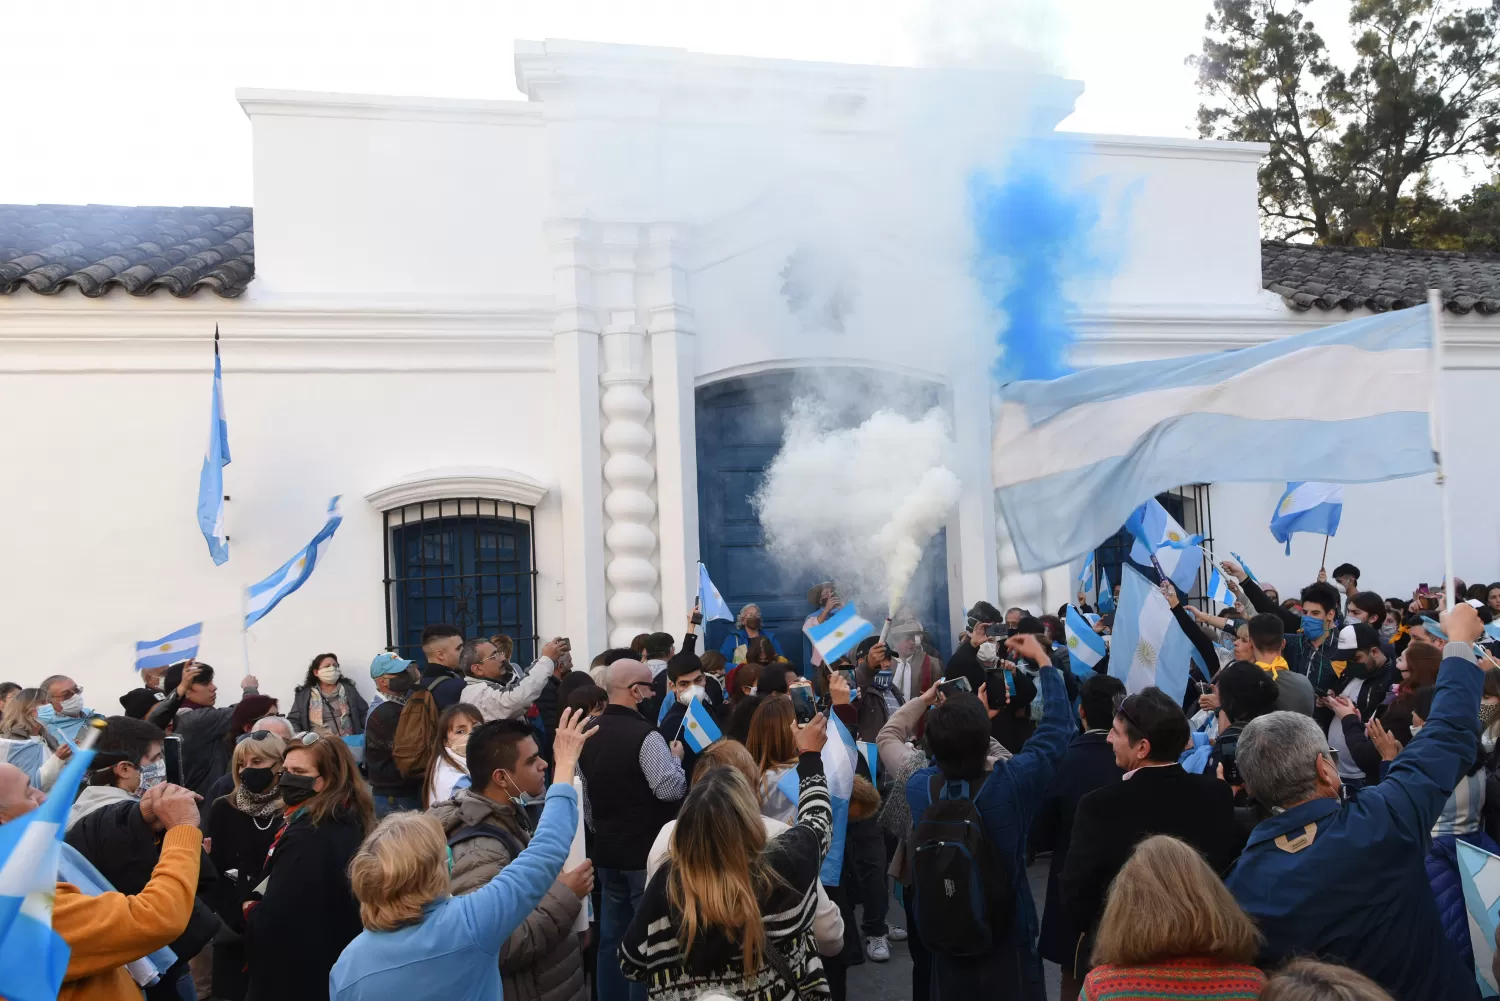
(964, 902)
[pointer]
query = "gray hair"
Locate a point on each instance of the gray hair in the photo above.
(274, 724)
(47, 683)
(1277, 756)
(468, 654)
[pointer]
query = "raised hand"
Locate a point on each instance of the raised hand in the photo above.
(812, 736)
(567, 743)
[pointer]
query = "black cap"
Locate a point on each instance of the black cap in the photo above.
(138, 702)
(1345, 570)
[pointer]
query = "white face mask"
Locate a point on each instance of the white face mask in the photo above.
(989, 653)
(697, 691)
(72, 706)
(153, 774)
(329, 673)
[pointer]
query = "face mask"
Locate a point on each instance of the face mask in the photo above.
(1312, 626)
(697, 691)
(1488, 713)
(1387, 630)
(519, 799)
(257, 780)
(988, 652)
(458, 743)
(1417, 728)
(295, 789)
(153, 774)
(753, 623)
(329, 674)
(72, 706)
(753, 689)
(400, 684)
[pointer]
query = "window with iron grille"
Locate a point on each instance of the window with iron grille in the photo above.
(1190, 506)
(464, 562)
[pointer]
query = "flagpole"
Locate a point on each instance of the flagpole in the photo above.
(1435, 423)
(1323, 565)
(244, 629)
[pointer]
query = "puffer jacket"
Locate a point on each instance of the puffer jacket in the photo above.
(1448, 888)
(541, 961)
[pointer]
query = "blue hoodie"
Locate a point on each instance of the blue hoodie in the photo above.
(451, 952)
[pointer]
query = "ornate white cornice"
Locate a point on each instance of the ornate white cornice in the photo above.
(465, 483)
(316, 104)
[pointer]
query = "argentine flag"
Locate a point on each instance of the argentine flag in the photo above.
(698, 726)
(839, 756)
(181, 645)
(1314, 508)
(1218, 588)
(1480, 872)
(1245, 567)
(839, 634)
(1157, 532)
(1073, 456)
(1085, 647)
(1086, 575)
(1106, 601)
(211, 480)
(1148, 647)
(710, 601)
(261, 598)
(33, 957)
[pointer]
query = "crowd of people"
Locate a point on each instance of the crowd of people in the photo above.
(1286, 829)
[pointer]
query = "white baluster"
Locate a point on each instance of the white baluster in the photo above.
(629, 539)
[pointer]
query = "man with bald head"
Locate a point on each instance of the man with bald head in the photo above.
(275, 724)
(633, 783)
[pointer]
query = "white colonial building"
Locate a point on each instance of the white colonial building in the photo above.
(543, 348)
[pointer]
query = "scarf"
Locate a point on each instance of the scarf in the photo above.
(258, 804)
(1279, 664)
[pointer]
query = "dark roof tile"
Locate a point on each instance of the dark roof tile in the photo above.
(47, 248)
(1378, 279)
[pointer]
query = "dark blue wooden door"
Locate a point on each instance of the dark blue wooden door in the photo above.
(739, 425)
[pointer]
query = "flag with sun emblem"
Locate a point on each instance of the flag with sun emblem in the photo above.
(1148, 647)
(261, 598)
(1085, 647)
(181, 645)
(840, 634)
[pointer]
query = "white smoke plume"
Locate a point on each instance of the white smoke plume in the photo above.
(828, 503)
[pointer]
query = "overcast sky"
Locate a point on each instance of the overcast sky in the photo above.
(118, 103)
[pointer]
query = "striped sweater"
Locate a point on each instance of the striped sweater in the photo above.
(652, 953)
(1175, 980)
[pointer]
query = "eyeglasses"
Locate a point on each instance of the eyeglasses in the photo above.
(640, 684)
(1122, 710)
(75, 690)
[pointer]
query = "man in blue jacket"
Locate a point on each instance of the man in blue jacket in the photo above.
(1346, 882)
(1006, 799)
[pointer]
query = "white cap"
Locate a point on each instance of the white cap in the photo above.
(1347, 639)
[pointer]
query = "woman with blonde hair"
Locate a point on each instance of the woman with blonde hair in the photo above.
(1310, 980)
(19, 722)
(304, 913)
(421, 942)
(1171, 930)
(449, 770)
(730, 911)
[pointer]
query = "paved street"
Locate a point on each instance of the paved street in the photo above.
(892, 981)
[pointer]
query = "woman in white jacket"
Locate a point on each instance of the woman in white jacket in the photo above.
(449, 770)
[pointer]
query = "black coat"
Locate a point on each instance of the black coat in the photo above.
(240, 843)
(307, 914)
(1089, 764)
(125, 850)
(1112, 820)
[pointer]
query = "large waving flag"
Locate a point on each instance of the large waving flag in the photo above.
(698, 726)
(181, 645)
(1147, 646)
(710, 601)
(33, 957)
(1085, 647)
(211, 479)
(1073, 456)
(1481, 879)
(1158, 534)
(262, 597)
(1314, 508)
(839, 634)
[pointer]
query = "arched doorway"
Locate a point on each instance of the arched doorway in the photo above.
(739, 426)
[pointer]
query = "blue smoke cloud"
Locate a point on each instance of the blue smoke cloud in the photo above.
(1033, 240)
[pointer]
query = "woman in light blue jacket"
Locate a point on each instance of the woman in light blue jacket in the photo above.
(419, 941)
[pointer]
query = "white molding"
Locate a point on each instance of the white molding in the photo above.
(781, 364)
(378, 107)
(459, 483)
(1164, 147)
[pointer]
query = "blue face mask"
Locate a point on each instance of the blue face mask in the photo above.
(1312, 626)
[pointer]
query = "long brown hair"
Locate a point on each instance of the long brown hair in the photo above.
(441, 752)
(1166, 903)
(1422, 663)
(344, 791)
(718, 870)
(770, 740)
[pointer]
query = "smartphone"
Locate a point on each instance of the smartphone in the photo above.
(997, 630)
(848, 676)
(995, 691)
(172, 758)
(803, 703)
(1422, 588)
(953, 686)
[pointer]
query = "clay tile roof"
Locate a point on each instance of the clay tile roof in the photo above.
(1378, 279)
(47, 248)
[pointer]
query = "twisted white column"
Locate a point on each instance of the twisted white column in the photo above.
(629, 539)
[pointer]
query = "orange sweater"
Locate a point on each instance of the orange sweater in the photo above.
(110, 930)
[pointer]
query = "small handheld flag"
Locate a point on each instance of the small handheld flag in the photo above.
(33, 957)
(211, 479)
(711, 601)
(1106, 593)
(871, 755)
(1086, 575)
(1245, 567)
(839, 634)
(1218, 587)
(181, 645)
(698, 726)
(1085, 647)
(262, 597)
(1309, 507)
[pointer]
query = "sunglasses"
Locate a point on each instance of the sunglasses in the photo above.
(1123, 709)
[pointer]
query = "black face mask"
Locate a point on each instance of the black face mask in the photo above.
(257, 780)
(753, 622)
(400, 684)
(295, 789)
